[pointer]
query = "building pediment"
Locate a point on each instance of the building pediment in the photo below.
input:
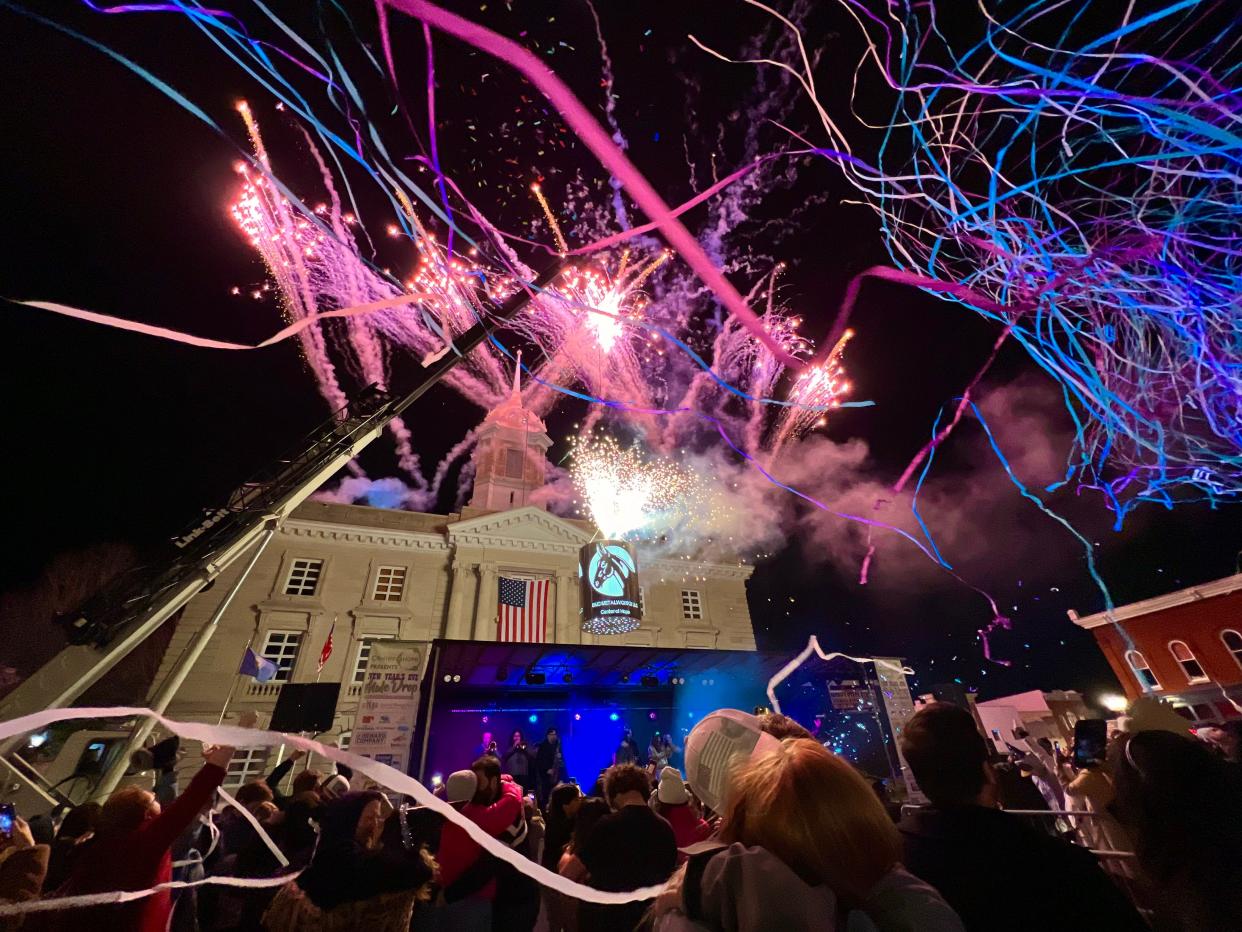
(527, 528)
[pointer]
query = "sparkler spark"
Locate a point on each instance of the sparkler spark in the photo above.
(626, 494)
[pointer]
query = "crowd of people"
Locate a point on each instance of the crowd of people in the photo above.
(767, 829)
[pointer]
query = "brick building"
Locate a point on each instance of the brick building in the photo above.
(1187, 648)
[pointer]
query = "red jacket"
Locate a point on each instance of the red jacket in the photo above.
(458, 851)
(687, 828)
(136, 861)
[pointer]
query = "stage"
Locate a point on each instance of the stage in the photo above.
(476, 691)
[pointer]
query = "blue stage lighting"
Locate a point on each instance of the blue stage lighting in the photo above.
(533, 718)
(613, 717)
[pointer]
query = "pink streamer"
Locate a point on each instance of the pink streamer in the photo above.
(177, 336)
(609, 154)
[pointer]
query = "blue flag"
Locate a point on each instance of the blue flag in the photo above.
(260, 668)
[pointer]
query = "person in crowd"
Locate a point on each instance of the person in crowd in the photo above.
(563, 910)
(968, 849)
(519, 762)
(468, 878)
(23, 870)
(1090, 788)
(563, 805)
(353, 881)
(804, 844)
(301, 781)
(671, 802)
(549, 765)
(77, 827)
(334, 787)
(630, 848)
(536, 829)
(131, 851)
(781, 727)
(661, 750)
(235, 829)
(1183, 806)
(627, 750)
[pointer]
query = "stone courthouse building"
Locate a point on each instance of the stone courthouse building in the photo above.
(362, 574)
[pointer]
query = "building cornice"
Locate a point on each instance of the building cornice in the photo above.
(504, 531)
(1208, 590)
(360, 534)
(688, 569)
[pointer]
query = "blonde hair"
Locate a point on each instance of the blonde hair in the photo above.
(125, 810)
(816, 813)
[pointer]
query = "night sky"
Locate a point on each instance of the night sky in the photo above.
(117, 202)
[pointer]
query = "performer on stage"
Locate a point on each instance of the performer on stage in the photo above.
(549, 765)
(661, 750)
(519, 762)
(627, 751)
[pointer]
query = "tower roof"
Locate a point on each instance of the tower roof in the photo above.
(511, 412)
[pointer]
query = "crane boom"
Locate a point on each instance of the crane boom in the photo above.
(111, 624)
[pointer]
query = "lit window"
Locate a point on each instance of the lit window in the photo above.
(1138, 663)
(303, 577)
(364, 657)
(691, 604)
(281, 648)
(389, 584)
(1190, 666)
(1233, 641)
(246, 764)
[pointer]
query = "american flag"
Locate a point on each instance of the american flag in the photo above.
(327, 647)
(523, 610)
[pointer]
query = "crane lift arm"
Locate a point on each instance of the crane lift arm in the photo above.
(111, 624)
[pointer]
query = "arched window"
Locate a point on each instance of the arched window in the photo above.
(1233, 641)
(1138, 663)
(1183, 655)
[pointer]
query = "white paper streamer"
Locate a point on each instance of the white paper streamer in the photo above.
(382, 774)
(812, 647)
(254, 824)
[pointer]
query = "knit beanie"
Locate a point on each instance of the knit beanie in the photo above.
(672, 788)
(461, 786)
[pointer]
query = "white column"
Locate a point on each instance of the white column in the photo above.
(486, 611)
(457, 627)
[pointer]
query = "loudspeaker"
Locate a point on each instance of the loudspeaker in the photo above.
(305, 707)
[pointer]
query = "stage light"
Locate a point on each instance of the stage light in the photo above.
(567, 677)
(650, 681)
(534, 678)
(436, 779)
(448, 677)
(651, 715)
(484, 719)
(625, 677)
(456, 677)
(577, 716)
(613, 717)
(532, 718)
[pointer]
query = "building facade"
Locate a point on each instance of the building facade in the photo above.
(359, 574)
(1185, 647)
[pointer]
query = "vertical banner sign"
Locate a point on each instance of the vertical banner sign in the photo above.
(899, 705)
(389, 703)
(609, 587)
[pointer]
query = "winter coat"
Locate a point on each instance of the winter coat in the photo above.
(971, 854)
(743, 889)
(458, 851)
(21, 879)
(135, 860)
(688, 828)
(293, 911)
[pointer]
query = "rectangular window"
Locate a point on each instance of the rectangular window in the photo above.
(691, 604)
(364, 657)
(514, 464)
(642, 603)
(247, 764)
(389, 584)
(281, 648)
(304, 577)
